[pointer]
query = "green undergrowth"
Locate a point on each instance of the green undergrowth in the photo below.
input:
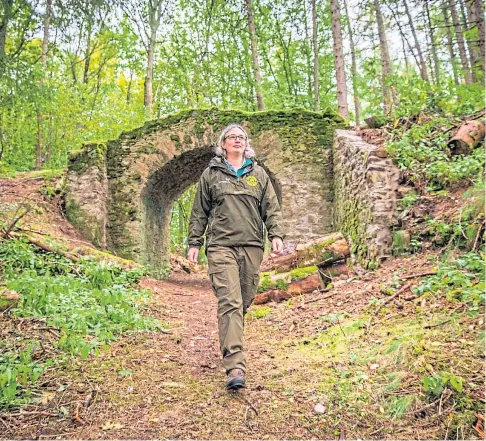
(87, 305)
(421, 153)
(401, 364)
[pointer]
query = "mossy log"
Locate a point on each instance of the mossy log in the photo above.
(321, 251)
(469, 135)
(46, 247)
(292, 289)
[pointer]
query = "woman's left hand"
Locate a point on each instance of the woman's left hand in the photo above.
(277, 245)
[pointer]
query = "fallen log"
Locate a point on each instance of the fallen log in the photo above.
(274, 295)
(321, 251)
(46, 247)
(330, 272)
(469, 135)
(293, 289)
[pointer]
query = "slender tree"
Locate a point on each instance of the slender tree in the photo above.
(147, 16)
(460, 42)
(480, 23)
(40, 116)
(342, 91)
(423, 66)
(386, 66)
(354, 71)
(450, 43)
(7, 12)
(315, 45)
(477, 63)
(433, 43)
(254, 56)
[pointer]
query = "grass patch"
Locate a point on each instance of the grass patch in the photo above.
(259, 312)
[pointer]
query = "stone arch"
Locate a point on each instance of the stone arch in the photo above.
(120, 193)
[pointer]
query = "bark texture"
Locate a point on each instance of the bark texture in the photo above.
(450, 44)
(315, 45)
(254, 56)
(423, 66)
(353, 65)
(460, 42)
(386, 69)
(342, 91)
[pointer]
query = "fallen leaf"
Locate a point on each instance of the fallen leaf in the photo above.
(47, 397)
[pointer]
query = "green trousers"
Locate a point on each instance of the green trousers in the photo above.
(234, 274)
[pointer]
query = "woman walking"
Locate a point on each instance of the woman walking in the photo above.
(234, 199)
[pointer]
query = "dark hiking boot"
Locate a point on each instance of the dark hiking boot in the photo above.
(236, 379)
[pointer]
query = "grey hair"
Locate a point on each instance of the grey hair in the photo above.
(220, 151)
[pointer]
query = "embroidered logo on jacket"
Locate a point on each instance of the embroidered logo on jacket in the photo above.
(251, 180)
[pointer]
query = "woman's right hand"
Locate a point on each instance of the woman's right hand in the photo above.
(193, 254)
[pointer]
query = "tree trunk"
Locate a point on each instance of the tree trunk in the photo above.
(477, 63)
(386, 69)
(342, 91)
(354, 71)
(460, 42)
(254, 56)
(148, 94)
(315, 45)
(405, 58)
(7, 15)
(327, 249)
(450, 44)
(423, 66)
(480, 23)
(40, 116)
(435, 57)
(472, 44)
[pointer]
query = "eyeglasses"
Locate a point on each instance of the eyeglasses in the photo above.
(235, 137)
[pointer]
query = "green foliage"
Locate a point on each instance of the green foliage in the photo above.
(420, 152)
(436, 383)
(409, 199)
(90, 303)
(461, 280)
(18, 373)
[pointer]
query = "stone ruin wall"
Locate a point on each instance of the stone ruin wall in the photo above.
(350, 187)
(365, 197)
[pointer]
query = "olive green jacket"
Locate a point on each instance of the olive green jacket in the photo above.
(233, 208)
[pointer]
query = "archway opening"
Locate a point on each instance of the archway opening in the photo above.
(161, 191)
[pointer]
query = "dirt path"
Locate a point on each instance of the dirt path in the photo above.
(313, 371)
(171, 386)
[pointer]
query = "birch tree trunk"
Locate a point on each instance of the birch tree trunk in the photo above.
(342, 92)
(254, 56)
(460, 42)
(316, 56)
(353, 65)
(40, 116)
(386, 69)
(450, 44)
(423, 66)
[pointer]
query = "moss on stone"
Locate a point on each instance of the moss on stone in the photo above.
(88, 226)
